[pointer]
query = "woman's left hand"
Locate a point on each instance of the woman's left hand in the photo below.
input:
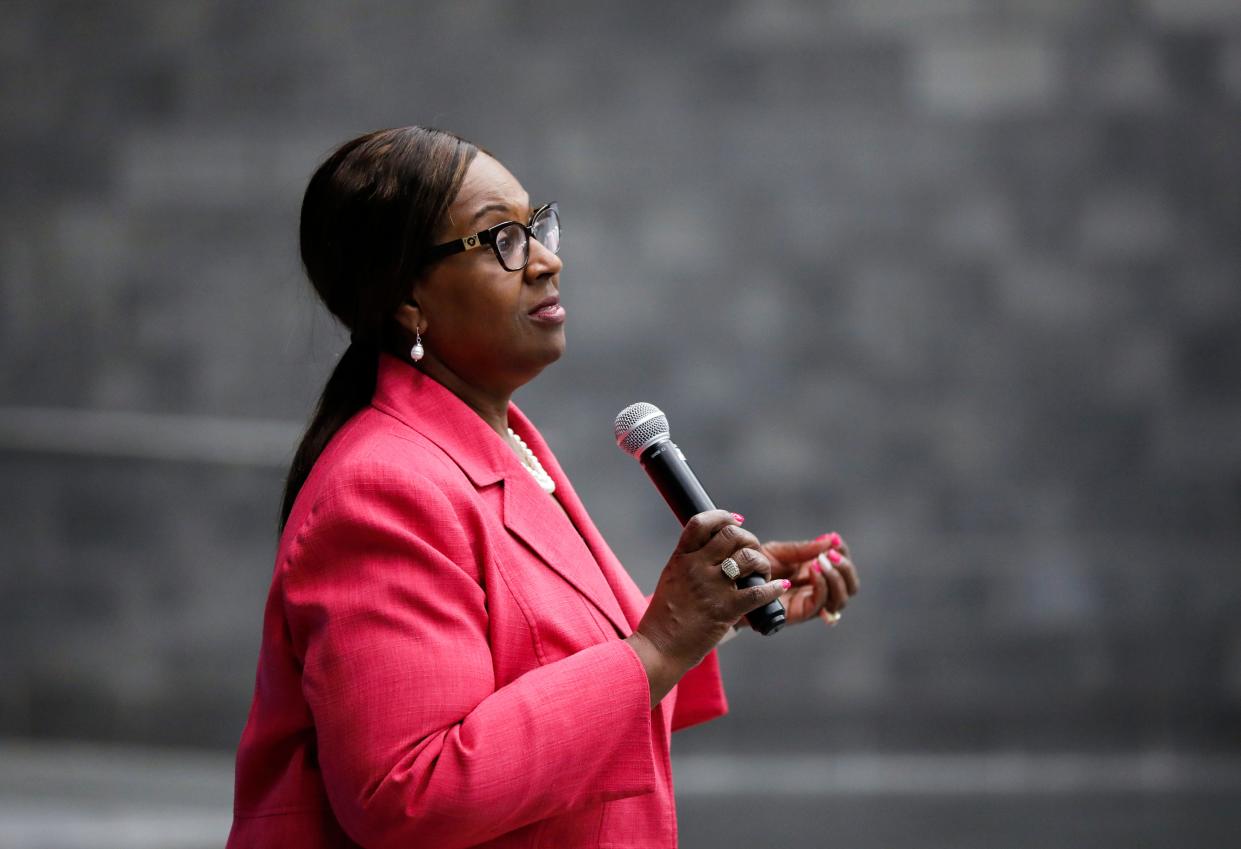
(816, 591)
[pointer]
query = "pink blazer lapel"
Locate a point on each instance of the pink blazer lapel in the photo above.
(621, 588)
(530, 514)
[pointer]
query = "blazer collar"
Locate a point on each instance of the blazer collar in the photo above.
(564, 539)
(431, 409)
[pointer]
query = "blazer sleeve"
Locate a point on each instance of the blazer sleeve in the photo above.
(700, 693)
(417, 746)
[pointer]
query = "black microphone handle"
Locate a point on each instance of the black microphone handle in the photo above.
(671, 474)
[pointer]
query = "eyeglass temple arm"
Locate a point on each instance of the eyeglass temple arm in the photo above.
(485, 237)
(468, 243)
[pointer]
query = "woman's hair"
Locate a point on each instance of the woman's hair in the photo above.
(368, 218)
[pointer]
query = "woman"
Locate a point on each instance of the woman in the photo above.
(452, 656)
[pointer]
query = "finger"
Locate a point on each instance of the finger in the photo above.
(849, 572)
(820, 585)
(804, 575)
(783, 568)
(751, 561)
(728, 539)
(795, 552)
(837, 593)
(845, 567)
(703, 528)
(754, 597)
(842, 545)
(799, 604)
(807, 600)
(804, 549)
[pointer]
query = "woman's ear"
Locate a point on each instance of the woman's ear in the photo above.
(409, 316)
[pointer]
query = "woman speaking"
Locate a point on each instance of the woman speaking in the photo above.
(452, 656)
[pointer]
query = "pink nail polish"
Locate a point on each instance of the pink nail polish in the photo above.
(815, 567)
(786, 583)
(835, 538)
(740, 519)
(834, 556)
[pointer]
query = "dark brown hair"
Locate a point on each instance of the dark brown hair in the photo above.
(368, 217)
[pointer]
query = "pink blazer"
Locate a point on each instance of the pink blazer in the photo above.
(442, 661)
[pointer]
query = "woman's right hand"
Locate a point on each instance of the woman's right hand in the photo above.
(695, 603)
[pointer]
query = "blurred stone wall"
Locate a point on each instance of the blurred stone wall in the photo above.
(957, 278)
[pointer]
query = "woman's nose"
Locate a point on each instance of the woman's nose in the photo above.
(542, 261)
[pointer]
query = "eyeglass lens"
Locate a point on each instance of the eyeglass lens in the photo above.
(546, 229)
(513, 246)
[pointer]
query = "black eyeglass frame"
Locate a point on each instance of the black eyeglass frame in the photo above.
(488, 237)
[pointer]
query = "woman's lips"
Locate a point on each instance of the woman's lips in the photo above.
(548, 311)
(551, 314)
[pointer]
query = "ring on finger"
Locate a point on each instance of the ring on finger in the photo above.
(730, 568)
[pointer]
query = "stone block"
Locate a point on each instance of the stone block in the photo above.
(1230, 68)
(1202, 14)
(987, 75)
(1127, 223)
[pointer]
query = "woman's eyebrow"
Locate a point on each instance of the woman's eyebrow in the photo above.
(491, 207)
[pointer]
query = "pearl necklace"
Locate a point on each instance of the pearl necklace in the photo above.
(533, 466)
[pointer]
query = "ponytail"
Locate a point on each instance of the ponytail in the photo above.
(348, 390)
(368, 216)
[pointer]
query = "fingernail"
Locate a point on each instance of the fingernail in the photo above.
(834, 537)
(786, 583)
(816, 567)
(822, 562)
(740, 519)
(834, 556)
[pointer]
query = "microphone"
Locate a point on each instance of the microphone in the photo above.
(642, 433)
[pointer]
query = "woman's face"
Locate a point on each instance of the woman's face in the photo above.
(479, 320)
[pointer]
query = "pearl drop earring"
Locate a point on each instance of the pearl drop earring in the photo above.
(416, 353)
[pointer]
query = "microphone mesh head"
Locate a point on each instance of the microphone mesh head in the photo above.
(639, 426)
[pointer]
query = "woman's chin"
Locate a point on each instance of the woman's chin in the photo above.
(533, 359)
(556, 346)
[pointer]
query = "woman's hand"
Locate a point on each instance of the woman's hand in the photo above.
(816, 590)
(695, 603)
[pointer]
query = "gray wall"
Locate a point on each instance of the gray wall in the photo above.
(957, 278)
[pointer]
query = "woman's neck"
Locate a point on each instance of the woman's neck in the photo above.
(490, 404)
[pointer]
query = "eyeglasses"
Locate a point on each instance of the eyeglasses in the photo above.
(510, 240)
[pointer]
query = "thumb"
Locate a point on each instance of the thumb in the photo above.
(805, 574)
(795, 552)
